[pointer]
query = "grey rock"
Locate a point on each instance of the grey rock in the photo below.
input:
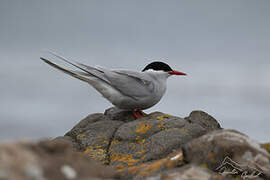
(116, 138)
(86, 123)
(213, 148)
(114, 113)
(165, 142)
(68, 140)
(187, 172)
(44, 160)
(155, 136)
(204, 120)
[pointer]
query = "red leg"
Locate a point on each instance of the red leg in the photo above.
(142, 113)
(137, 116)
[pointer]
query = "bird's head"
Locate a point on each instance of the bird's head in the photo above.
(163, 68)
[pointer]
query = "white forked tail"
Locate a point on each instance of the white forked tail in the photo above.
(67, 71)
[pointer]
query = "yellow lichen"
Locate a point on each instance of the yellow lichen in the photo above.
(114, 142)
(143, 157)
(266, 146)
(140, 152)
(185, 130)
(167, 116)
(147, 169)
(161, 125)
(139, 140)
(96, 153)
(164, 116)
(80, 136)
(142, 128)
(103, 140)
(125, 158)
(160, 117)
(132, 145)
(120, 167)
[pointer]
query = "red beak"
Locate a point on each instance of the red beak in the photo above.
(174, 72)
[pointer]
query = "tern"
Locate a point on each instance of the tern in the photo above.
(126, 89)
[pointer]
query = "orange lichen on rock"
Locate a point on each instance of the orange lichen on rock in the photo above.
(96, 153)
(114, 142)
(161, 125)
(103, 140)
(147, 169)
(142, 128)
(140, 152)
(124, 158)
(80, 136)
(164, 116)
(139, 140)
(160, 117)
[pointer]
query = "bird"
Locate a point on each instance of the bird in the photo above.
(126, 89)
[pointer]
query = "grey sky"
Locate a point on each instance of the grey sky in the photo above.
(224, 46)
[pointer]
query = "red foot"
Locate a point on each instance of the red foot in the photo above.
(142, 113)
(137, 116)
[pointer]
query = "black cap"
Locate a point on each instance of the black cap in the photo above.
(158, 66)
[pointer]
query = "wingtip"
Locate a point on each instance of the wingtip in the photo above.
(43, 59)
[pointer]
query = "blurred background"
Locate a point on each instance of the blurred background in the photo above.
(223, 46)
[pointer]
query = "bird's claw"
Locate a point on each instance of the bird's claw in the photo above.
(138, 114)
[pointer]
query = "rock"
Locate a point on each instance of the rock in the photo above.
(48, 160)
(228, 147)
(203, 119)
(188, 172)
(116, 138)
(93, 135)
(149, 169)
(114, 113)
(156, 147)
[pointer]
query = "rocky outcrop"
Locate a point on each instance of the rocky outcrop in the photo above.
(230, 147)
(116, 138)
(47, 160)
(158, 146)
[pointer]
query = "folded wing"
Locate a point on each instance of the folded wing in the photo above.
(129, 83)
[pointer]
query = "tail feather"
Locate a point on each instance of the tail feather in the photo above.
(67, 71)
(85, 70)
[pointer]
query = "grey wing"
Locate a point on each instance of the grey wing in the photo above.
(129, 83)
(132, 83)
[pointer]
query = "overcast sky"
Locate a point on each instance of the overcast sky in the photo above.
(223, 46)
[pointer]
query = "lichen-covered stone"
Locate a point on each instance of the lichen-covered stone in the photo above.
(118, 139)
(94, 137)
(144, 170)
(187, 172)
(213, 148)
(154, 137)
